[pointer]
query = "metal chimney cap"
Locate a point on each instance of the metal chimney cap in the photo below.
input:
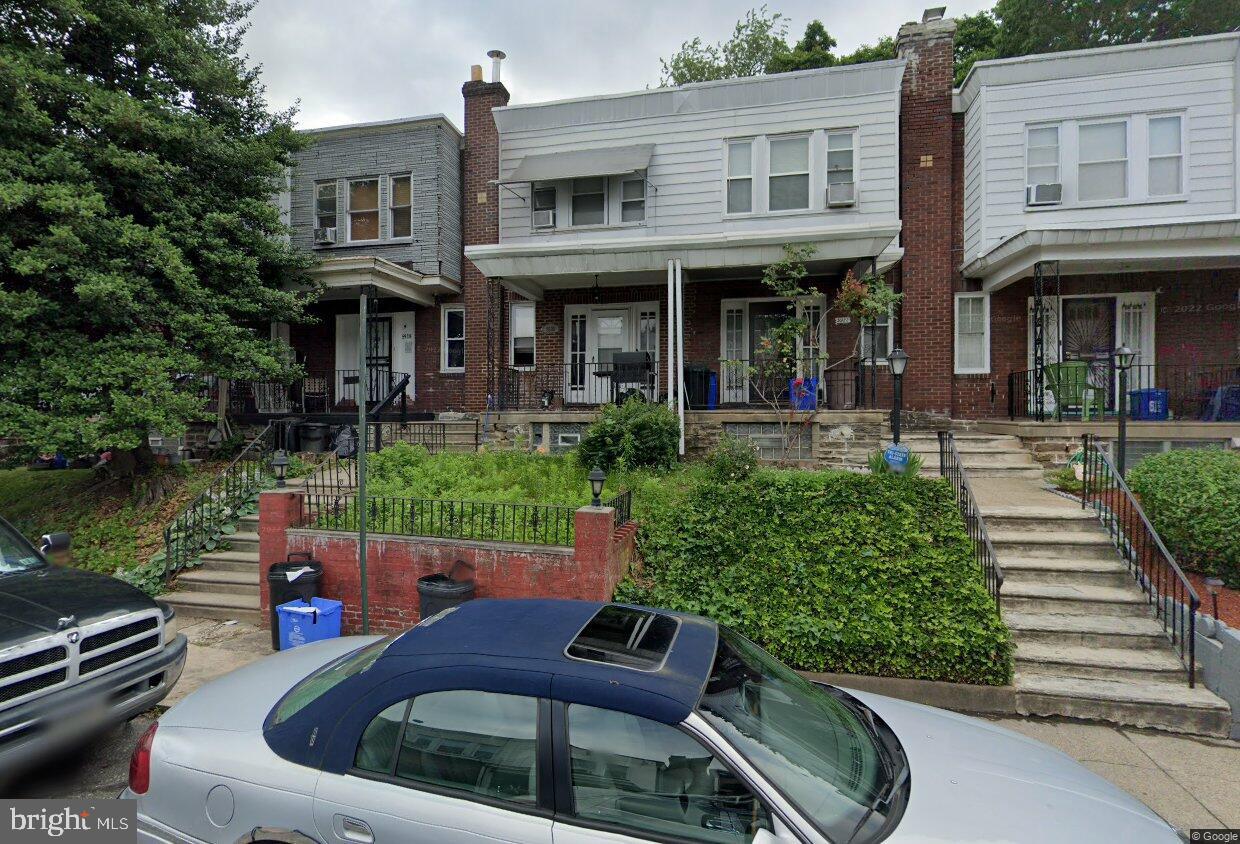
(496, 54)
(934, 13)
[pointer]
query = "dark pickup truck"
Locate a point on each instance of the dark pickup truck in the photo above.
(79, 651)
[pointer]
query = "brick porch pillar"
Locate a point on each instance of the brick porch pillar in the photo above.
(592, 542)
(278, 510)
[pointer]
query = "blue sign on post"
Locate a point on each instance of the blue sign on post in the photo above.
(896, 457)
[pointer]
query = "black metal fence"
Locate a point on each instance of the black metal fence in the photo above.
(433, 436)
(199, 526)
(1149, 562)
(952, 468)
(624, 507)
(337, 391)
(529, 524)
(768, 382)
(580, 383)
(1090, 389)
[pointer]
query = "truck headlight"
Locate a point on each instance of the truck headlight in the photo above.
(170, 621)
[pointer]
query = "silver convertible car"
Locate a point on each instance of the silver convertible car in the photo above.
(569, 722)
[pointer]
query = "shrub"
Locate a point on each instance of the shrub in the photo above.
(1193, 500)
(832, 571)
(635, 433)
(733, 459)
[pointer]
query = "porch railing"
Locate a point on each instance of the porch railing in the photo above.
(1208, 392)
(337, 391)
(577, 384)
(952, 468)
(1149, 562)
(201, 523)
(623, 503)
(825, 385)
(529, 524)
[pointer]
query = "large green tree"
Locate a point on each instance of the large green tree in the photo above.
(139, 243)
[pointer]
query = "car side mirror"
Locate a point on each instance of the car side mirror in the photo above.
(53, 543)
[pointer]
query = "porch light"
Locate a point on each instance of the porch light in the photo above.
(597, 477)
(1123, 358)
(1214, 585)
(279, 464)
(897, 360)
(596, 294)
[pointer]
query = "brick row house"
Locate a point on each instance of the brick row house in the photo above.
(555, 256)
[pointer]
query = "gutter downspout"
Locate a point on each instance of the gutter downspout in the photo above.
(680, 352)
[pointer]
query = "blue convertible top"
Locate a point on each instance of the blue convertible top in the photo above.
(505, 646)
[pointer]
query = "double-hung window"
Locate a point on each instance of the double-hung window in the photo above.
(521, 344)
(1102, 172)
(325, 205)
(876, 338)
(840, 146)
(633, 200)
(400, 206)
(452, 338)
(364, 209)
(972, 333)
(589, 202)
(740, 177)
(1166, 164)
(544, 207)
(1042, 156)
(789, 173)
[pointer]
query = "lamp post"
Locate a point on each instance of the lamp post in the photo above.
(897, 360)
(279, 464)
(1214, 585)
(1123, 361)
(597, 477)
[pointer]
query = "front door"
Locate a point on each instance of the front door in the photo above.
(1089, 334)
(768, 381)
(379, 358)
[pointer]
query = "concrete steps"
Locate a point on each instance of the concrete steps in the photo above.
(1162, 706)
(1064, 571)
(242, 541)
(983, 455)
(217, 605)
(1065, 599)
(1124, 664)
(1131, 632)
(217, 580)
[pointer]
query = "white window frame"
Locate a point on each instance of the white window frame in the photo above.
(1127, 159)
(391, 208)
(512, 337)
(543, 187)
(807, 172)
(573, 194)
(335, 216)
(444, 310)
(985, 367)
(751, 178)
(1029, 129)
(882, 361)
(1182, 155)
(378, 209)
(630, 180)
(852, 166)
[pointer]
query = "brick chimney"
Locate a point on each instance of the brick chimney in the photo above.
(480, 220)
(927, 208)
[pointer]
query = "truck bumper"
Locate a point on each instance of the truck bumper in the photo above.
(55, 721)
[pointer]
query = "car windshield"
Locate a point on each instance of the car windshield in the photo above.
(16, 554)
(811, 745)
(327, 678)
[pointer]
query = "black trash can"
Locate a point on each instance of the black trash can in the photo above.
(313, 437)
(697, 385)
(437, 592)
(283, 590)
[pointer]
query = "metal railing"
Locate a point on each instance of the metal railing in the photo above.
(201, 522)
(952, 468)
(623, 503)
(1149, 562)
(767, 382)
(1208, 392)
(433, 436)
(577, 384)
(528, 524)
(317, 392)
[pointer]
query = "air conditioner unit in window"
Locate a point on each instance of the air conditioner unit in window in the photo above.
(325, 235)
(544, 219)
(1051, 194)
(841, 194)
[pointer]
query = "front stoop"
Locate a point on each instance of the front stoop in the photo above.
(226, 585)
(983, 455)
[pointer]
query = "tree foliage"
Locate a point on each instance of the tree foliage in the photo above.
(138, 238)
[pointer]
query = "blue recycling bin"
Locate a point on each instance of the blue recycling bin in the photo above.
(805, 396)
(712, 392)
(302, 622)
(1147, 405)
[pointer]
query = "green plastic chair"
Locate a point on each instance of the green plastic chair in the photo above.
(1069, 384)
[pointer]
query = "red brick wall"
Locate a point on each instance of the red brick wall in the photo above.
(479, 224)
(927, 211)
(590, 570)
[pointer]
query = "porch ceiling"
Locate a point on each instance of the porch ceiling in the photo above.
(1210, 244)
(342, 278)
(532, 268)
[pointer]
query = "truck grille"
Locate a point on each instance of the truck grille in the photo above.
(95, 663)
(32, 684)
(30, 662)
(117, 634)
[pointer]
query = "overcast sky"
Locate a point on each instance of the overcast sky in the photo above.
(349, 61)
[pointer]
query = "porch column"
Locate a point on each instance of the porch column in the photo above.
(680, 351)
(670, 363)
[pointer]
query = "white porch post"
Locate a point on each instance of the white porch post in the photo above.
(680, 352)
(670, 363)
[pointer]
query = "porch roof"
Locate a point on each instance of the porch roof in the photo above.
(341, 278)
(581, 163)
(1202, 244)
(531, 268)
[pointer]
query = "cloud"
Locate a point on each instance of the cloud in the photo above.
(347, 61)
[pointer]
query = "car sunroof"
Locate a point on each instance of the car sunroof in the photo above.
(625, 636)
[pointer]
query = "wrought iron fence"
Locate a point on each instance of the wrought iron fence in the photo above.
(1090, 389)
(952, 468)
(201, 523)
(776, 381)
(1149, 562)
(433, 436)
(623, 503)
(579, 383)
(530, 524)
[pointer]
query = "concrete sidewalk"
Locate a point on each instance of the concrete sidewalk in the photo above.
(216, 648)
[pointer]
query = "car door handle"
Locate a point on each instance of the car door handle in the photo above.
(351, 829)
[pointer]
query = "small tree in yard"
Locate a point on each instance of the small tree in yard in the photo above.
(791, 354)
(139, 241)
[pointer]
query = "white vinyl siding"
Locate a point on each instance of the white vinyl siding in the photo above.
(972, 328)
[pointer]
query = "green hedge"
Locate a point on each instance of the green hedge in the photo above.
(831, 571)
(1193, 500)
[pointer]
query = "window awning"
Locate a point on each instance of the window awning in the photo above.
(581, 163)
